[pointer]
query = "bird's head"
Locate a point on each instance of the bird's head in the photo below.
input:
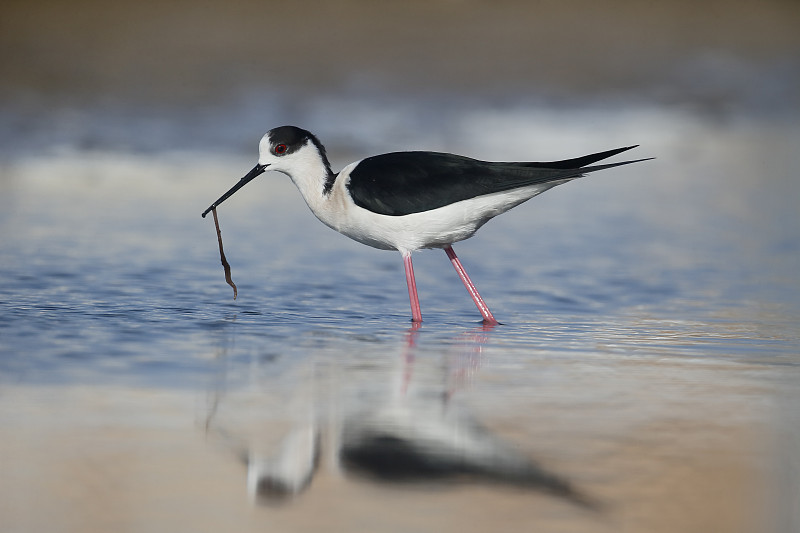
(287, 149)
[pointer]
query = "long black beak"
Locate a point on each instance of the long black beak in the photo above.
(257, 170)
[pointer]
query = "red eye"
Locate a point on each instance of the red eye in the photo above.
(280, 149)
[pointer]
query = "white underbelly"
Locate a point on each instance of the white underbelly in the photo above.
(435, 228)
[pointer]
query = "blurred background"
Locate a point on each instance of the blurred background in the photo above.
(170, 75)
(645, 377)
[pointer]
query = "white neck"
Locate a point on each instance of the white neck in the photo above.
(309, 173)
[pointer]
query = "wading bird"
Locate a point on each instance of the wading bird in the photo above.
(408, 201)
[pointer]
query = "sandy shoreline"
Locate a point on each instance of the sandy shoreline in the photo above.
(138, 459)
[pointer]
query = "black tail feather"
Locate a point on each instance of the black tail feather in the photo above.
(585, 170)
(580, 162)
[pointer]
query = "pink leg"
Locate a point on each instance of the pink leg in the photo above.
(416, 312)
(488, 319)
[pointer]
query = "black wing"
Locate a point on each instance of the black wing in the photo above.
(402, 183)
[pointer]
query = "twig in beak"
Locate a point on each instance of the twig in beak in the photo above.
(225, 264)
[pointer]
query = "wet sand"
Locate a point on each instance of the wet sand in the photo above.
(97, 459)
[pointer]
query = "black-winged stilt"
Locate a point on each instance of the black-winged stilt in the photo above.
(407, 201)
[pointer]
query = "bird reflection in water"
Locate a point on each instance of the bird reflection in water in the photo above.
(395, 433)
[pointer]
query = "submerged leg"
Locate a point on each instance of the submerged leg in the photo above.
(488, 319)
(416, 312)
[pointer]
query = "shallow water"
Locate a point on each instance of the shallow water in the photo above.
(644, 377)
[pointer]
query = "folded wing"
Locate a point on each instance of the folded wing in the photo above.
(403, 183)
